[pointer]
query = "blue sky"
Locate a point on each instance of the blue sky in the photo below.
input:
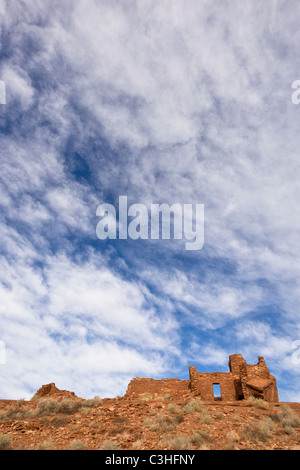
(164, 102)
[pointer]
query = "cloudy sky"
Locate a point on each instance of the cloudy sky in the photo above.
(165, 102)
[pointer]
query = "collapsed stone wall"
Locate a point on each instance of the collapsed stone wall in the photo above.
(139, 386)
(241, 382)
(257, 381)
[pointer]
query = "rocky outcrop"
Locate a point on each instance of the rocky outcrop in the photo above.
(51, 391)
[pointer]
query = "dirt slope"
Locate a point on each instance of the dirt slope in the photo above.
(56, 419)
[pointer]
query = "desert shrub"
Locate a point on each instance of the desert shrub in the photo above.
(27, 414)
(259, 431)
(159, 423)
(92, 402)
(68, 406)
(289, 430)
(59, 421)
(194, 405)
(167, 396)
(5, 441)
(145, 396)
(138, 444)
(204, 447)
(178, 418)
(13, 412)
(159, 399)
(287, 417)
(109, 445)
(46, 407)
(232, 440)
(77, 445)
(47, 445)
(258, 403)
(205, 417)
(173, 408)
(4, 416)
(178, 442)
(198, 437)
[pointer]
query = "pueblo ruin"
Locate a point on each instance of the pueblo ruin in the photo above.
(241, 382)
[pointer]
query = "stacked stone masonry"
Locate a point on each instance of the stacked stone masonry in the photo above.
(241, 382)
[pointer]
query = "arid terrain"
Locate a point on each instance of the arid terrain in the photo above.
(58, 420)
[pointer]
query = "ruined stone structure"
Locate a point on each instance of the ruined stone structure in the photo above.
(241, 382)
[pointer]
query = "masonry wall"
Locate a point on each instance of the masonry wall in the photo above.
(139, 386)
(201, 384)
(241, 382)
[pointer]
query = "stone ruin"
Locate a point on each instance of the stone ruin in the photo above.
(241, 382)
(51, 391)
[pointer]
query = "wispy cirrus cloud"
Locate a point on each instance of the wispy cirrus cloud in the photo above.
(185, 103)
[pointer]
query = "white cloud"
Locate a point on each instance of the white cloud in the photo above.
(201, 101)
(18, 85)
(210, 303)
(78, 319)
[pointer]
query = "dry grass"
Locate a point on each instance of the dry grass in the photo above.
(195, 405)
(160, 423)
(288, 419)
(68, 406)
(173, 409)
(46, 407)
(47, 445)
(92, 402)
(77, 445)
(145, 396)
(260, 431)
(59, 421)
(15, 412)
(50, 406)
(109, 445)
(178, 442)
(232, 440)
(5, 441)
(198, 437)
(138, 444)
(258, 403)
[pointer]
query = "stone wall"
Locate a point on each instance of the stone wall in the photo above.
(202, 384)
(140, 386)
(241, 382)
